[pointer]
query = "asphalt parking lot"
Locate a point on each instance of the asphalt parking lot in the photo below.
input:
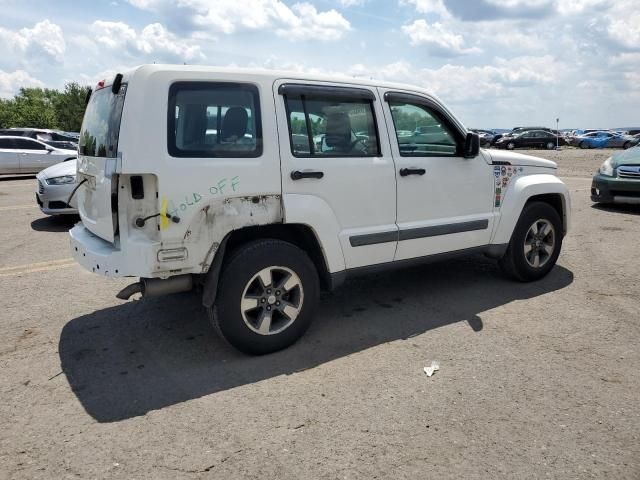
(536, 380)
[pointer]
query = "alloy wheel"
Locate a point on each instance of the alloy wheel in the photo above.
(539, 243)
(272, 300)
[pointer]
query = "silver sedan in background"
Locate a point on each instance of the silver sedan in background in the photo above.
(55, 184)
(27, 155)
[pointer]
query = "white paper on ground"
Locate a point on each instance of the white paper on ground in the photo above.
(435, 366)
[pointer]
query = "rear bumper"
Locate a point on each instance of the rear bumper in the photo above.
(95, 254)
(615, 190)
(138, 259)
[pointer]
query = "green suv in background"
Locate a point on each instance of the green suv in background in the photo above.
(618, 179)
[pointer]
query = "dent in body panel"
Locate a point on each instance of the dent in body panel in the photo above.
(218, 217)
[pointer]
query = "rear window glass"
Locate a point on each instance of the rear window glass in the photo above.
(208, 119)
(101, 123)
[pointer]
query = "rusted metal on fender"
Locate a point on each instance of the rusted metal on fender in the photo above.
(218, 218)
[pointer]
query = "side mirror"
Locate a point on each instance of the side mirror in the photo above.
(471, 145)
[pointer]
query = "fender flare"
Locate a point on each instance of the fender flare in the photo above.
(519, 193)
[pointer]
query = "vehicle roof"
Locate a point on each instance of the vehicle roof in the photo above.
(31, 129)
(272, 75)
(19, 137)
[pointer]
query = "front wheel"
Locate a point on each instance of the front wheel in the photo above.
(535, 243)
(551, 145)
(584, 145)
(267, 296)
(511, 146)
(626, 145)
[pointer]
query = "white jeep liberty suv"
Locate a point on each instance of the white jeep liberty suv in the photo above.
(262, 188)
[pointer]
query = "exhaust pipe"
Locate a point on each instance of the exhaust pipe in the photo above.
(155, 287)
(129, 290)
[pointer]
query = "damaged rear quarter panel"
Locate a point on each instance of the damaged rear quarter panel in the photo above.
(214, 220)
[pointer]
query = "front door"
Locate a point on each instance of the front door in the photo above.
(337, 163)
(445, 201)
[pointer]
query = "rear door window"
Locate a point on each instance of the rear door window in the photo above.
(26, 144)
(6, 143)
(211, 119)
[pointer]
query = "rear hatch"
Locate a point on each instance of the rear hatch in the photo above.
(98, 159)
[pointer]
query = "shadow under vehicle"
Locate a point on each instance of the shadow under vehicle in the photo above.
(127, 360)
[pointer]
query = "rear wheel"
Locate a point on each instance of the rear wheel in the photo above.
(267, 296)
(551, 145)
(535, 243)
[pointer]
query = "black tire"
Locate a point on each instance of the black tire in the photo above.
(551, 146)
(583, 145)
(510, 146)
(514, 262)
(626, 145)
(243, 264)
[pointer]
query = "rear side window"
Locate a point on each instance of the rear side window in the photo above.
(331, 126)
(101, 124)
(26, 144)
(6, 143)
(208, 119)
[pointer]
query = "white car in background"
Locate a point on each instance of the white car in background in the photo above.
(19, 155)
(55, 184)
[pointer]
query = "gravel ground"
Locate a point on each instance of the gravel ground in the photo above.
(536, 380)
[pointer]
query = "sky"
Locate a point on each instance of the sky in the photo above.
(495, 63)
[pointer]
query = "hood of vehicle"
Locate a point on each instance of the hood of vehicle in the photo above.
(626, 157)
(520, 159)
(59, 170)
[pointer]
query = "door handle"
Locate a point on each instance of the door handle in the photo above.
(298, 175)
(412, 171)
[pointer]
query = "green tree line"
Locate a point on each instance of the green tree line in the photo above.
(45, 108)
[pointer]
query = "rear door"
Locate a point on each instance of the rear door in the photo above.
(9, 162)
(97, 156)
(33, 155)
(445, 201)
(528, 139)
(335, 160)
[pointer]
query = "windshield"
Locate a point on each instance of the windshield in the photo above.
(101, 123)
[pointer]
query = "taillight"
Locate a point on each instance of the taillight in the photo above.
(100, 85)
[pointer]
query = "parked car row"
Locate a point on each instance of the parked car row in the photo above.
(603, 139)
(543, 137)
(530, 139)
(49, 154)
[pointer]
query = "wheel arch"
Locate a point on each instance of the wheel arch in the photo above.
(545, 188)
(557, 201)
(301, 235)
